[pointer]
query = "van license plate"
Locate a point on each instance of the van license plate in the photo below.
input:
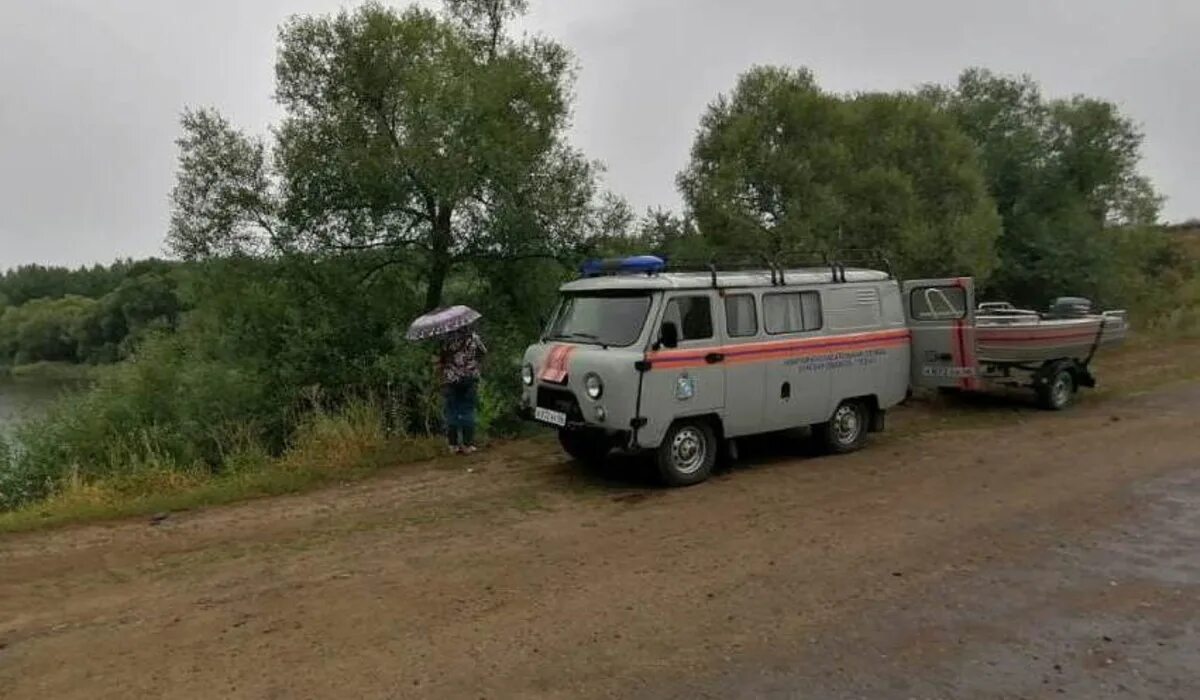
(545, 415)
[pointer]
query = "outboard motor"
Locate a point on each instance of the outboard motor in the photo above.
(1070, 307)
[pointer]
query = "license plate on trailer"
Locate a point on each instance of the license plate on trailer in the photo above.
(545, 415)
(953, 372)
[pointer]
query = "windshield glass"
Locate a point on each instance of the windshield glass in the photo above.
(608, 319)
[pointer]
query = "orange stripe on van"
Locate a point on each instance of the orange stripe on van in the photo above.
(555, 368)
(782, 349)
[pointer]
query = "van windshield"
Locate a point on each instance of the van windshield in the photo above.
(601, 319)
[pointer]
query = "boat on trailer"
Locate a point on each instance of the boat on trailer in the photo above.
(1005, 334)
(998, 344)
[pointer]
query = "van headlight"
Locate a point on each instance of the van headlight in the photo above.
(593, 386)
(527, 374)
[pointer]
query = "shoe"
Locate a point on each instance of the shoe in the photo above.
(470, 450)
(456, 450)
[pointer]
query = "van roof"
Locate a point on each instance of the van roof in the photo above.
(704, 280)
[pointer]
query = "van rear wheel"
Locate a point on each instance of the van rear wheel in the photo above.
(687, 454)
(846, 430)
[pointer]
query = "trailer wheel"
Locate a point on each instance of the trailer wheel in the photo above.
(688, 453)
(847, 430)
(585, 446)
(1058, 391)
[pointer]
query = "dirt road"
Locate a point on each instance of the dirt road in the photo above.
(1039, 556)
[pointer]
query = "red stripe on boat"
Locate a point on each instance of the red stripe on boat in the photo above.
(993, 337)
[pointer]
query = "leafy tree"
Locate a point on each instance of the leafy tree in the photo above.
(434, 139)
(658, 232)
(1061, 171)
(225, 199)
(143, 304)
(91, 314)
(27, 282)
(45, 330)
(780, 165)
(485, 20)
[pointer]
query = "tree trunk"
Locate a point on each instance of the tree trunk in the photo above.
(440, 264)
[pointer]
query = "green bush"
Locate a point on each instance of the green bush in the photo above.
(280, 359)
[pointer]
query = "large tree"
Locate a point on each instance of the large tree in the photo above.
(429, 138)
(781, 165)
(1061, 171)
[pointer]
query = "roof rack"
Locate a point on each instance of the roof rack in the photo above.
(777, 266)
(837, 260)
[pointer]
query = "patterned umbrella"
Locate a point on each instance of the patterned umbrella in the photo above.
(441, 322)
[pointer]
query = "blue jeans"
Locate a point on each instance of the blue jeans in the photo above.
(459, 403)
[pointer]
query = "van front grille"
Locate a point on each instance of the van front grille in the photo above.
(561, 400)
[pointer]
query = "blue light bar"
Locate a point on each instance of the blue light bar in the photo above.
(647, 264)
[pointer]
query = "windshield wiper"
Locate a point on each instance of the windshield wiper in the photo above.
(571, 336)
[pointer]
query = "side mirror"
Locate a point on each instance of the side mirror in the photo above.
(668, 335)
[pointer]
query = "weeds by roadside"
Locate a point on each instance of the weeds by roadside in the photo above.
(328, 447)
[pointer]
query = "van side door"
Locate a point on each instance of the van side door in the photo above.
(798, 384)
(688, 379)
(745, 371)
(941, 317)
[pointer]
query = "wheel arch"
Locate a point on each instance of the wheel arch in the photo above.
(713, 420)
(871, 401)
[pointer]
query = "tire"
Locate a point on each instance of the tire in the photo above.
(846, 430)
(1058, 393)
(687, 453)
(585, 446)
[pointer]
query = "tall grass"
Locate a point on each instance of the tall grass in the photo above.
(143, 478)
(337, 441)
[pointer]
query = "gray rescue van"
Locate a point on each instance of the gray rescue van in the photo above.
(641, 357)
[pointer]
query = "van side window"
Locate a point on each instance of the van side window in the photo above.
(852, 309)
(938, 303)
(792, 312)
(692, 316)
(741, 319)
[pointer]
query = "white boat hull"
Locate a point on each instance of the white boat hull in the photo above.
(1026, 340)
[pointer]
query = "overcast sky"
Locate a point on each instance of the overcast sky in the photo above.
(91, 90)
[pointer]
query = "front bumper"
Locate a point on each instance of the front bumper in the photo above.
(580, 416)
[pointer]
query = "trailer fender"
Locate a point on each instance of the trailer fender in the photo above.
(1084, 376)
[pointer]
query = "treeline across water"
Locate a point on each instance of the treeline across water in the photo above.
(89, 315)
(272, 353)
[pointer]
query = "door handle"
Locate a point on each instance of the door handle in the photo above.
(713, 358)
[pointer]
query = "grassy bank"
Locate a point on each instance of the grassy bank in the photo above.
(351, 444)
(347, 445)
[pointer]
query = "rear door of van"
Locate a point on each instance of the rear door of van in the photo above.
(941, 317)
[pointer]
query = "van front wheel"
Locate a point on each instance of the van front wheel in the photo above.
(585, 446)
(847, 430)
(687, 454)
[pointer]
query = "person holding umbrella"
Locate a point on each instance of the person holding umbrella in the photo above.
(458, 363)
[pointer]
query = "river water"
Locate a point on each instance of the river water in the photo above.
(22, 398)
